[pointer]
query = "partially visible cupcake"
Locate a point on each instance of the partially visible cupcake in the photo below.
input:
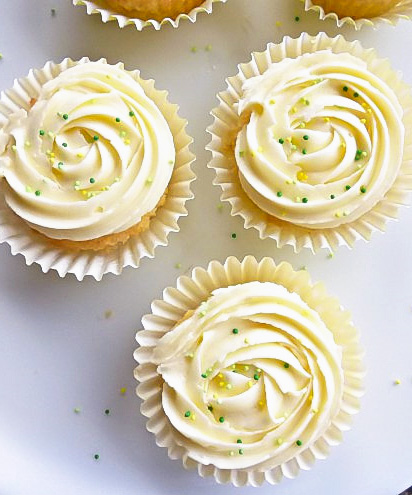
(361, 12)
(142, 13)
(251, 380)
(151, 9)
(311, 142)
(88, 161)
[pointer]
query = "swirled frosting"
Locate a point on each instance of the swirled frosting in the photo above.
(322, 141)
(252, 377)
(91, 157)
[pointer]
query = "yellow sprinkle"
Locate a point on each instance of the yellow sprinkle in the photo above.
(326, 119)
(215, 396)
(272, 102)
(193, 417)
(50, 134)
(246, 367)
(123, 391)
(149, 180)
(189, 355)
(117, 179)
(27, 144)
(302, 176)
(231, 453)
(202, 313)
(302, 125)
(397, 381)
(294, 109)
(52, 160)
(279, 441)
(193, 49)
(229, 386)
(252, 153)
(283, 213)
(364, 105)
(220, 375)
(363, 121)
(127, 141)
(100, 209)
(278, 23)
(289, 139)
(297, 199)
(208, 47)
(246, 341)
(84, 192)
(233, 366)
(315, 411)
(108, 313)
(80, 155)
(288, 182)
(310, 397)
(369, 110)
(250, 383)
(221, 384)
(338, 214)
(343, 145)
(261, 403)
(260, 149)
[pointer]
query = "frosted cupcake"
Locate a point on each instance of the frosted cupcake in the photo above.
(313, 143)
(142, 13)
(250, 384)
(361, 12)
(89, 164)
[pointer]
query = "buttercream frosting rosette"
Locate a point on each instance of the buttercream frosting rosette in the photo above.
(349, 12)
(311, 142)
(248, 372)
(109, 14)
(95, 167)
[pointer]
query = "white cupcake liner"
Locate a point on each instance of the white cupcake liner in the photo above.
(37, 248)
(122, 20)
(188, 294)
(224, 163)
(392, 17)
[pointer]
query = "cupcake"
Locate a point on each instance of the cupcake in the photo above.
(247, 371)
(90, 157)
(144, 13)
(310, 145)
(361, 12)
(151, 9)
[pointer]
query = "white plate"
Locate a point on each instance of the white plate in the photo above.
(58, 351)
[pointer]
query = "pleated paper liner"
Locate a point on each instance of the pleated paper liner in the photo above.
(224, 163)
(189, 293)
(401, 11)
(122, 20)
(37, 248)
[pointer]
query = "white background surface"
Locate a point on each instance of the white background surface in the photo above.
(57, 349)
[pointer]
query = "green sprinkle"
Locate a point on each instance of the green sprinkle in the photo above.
(65, 116)
(64, 145)
(297, 18)
(37, 193)
(256, 376)
(281, 141)
(241, 153)
(305, 137)
(345, 88)
(210, 408)
(76, 410)
(363, 189)
(305, 200)
(239, 440)
(332, 196)
(178, 265)
(286, 365)
(234, 235)
(107, 412)
(117, 119)
(60, 165)
(41, 132)
(279, 194)
(221, 419)
(235, 331)
(347, 187)
(187, 414)
(92, 180)
(204, 375)
(53, 12)
(355, 95)
(193, 49)
(240, 451)
(298, 442)
(96, 138)
(96, 456)
(131, 113)
(122, 134)
(208, 48)
(304, 151)
(29, 189)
